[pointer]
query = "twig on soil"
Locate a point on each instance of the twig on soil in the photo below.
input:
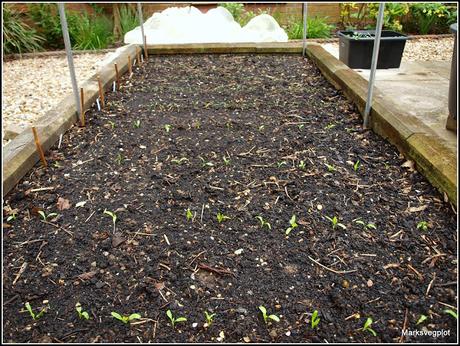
(215, 270)
(287, 194)
(449, 306)
(434, 256)
(89, 217)
(30, 242)
(248, 152)
(332, 270)
(154, 329)
(202, 211)
(420, 276)
(59, 227)
(450, 283)
(164, 266)
(73, 332)
(11, 300)
(43, 189)
(430, 284)
(401, 339)
(195, 257)
(21, 270)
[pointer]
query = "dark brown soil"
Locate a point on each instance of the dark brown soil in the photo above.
(266, 115)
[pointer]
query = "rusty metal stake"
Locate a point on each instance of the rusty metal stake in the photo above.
(101, 92)
(39, 148)
(82, 103)
(117, 76)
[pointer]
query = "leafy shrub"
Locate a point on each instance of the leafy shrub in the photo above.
(235, 8)
(85, 31)
(91, 32)
(128, 19)
(18, 37)
(432, 17)
(316, 28)
(46, 17)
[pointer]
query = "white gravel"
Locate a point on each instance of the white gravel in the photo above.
(33, 86)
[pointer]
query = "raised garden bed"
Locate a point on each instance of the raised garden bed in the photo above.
(247, 136)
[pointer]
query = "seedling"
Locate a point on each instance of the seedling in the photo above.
(81, 314)
(302, 164)
(125, 319)
(12, 217)
(56, 164)
(205, 163)
(263, 222)
(356, 165)
(335, 222)
(189, 214)
(179, 161)
(451, 312)
(137, 124)
(209, 318)
(301, 126)
(330, 168)
(281, 163)
(314, 319)
(226, 160)
(293, 224)
(365, 225)
(329, 126)
(119, 159)
(113, 216)
(367, 326)
(266, 318)
(173, 319)
(168, 128)
(261, 128)
(112, 124)
(423, 225)
(46, 217)
(221, 217)
(40, 314)
(421, 319)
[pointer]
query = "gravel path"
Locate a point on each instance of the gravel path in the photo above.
(31, 87)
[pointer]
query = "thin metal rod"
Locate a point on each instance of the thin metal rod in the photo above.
(304, 32)
(141, 21)
(68, 50)
(375, 58)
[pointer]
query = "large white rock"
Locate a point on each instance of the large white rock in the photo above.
(190, 25)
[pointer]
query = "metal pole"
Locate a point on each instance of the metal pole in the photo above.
(141, 21)
(304, 33)
(375, 57)
(68, 50)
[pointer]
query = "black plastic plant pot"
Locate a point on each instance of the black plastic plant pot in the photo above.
(356, 46)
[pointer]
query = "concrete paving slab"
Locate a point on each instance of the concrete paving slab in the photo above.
(419, 88)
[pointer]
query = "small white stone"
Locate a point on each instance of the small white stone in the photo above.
(238, 252)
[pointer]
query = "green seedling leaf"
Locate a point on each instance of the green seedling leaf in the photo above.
(423, 225)
(293, 223)
(315, 319)
(168, 128)
(330, 168)
(274, 318)
(367, 326)
(189, 215)
(209, 317)
(226, 160)
(356, 165)
(221, 217)
(421, 319)
(134, 317)
(451, 312)
(119, 317)
(81, 313)
(29, 308)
